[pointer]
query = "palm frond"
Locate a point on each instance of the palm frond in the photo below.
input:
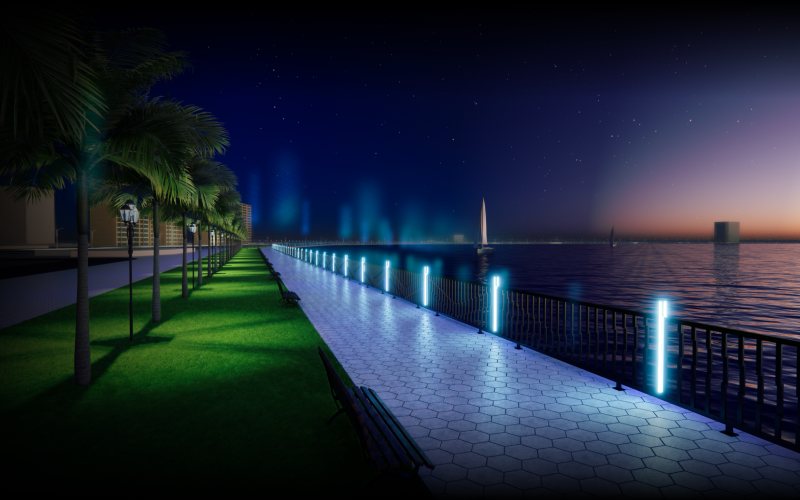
(48, 88)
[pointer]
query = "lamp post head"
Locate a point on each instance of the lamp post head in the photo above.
(192, 228)
(129, 213)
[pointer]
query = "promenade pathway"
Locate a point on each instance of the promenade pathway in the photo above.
(496, 420)
(26, 297)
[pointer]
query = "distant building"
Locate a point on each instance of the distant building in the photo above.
(726, 232)
(27, 223)
(108, 230)
(247, 221)
(458, 238)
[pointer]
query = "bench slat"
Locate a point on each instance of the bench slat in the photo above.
(391, 447)
(410, 446)
(376, 439)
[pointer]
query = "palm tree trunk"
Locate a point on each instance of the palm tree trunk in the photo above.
(156, 302)
(209, 251)
(83, 359)
(185, 274)
(200, 257)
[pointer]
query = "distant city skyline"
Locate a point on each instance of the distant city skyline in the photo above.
(374, 127)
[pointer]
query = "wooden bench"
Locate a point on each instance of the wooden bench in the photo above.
(385, 441)
(275, 274)
(286, 295)
(272, 271)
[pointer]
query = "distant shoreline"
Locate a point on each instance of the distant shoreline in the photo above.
(530, 242)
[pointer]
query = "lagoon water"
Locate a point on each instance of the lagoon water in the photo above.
(753, 286)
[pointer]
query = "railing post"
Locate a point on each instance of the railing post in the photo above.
(779, 389)
(724, 389)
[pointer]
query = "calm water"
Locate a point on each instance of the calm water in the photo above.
(753, 287)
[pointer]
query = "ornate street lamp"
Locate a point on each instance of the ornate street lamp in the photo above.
(192, 231)
(130, 216)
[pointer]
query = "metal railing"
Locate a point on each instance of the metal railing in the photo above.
(742, 379)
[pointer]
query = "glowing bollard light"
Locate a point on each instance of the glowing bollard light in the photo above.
(426, 271)
(324, 260)
(661, 317)
(346, 259)
(363, 266)
(316, 258)
(495, 292)
(334, 263)
(386, 276)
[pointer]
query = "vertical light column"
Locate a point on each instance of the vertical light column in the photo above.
(346, 258)
(316, 258)
(363, 266)
(324, 260)
(495, 292)
(661, 318)
(334, 262)
(426, 271)
(386, 276)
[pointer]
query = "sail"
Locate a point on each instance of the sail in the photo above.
(484, 239)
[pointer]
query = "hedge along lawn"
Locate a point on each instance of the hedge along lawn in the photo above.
(227, 391)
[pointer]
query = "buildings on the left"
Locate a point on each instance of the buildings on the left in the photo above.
(32, 224)
(27, 223)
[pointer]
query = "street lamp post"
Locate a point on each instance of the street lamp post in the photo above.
(130, 216)
(192, 231)
(212, 242)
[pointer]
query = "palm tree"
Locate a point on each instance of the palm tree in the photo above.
(213, 214)
(190, 133)
(204, 173)
(49, 103)
(227, 208)
(68, 111)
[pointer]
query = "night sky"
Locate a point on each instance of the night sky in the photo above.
(393, 125)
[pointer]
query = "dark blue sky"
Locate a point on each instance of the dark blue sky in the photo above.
(394, 124)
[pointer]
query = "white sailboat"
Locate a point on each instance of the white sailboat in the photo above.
(484, 247)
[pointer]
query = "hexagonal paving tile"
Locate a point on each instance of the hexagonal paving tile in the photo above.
(590, 458)
(485, 475)
(652, 477)
(555, 455)
(504, 439)
(539, 466)
(488, 449)
(523, 479)
(568, 444)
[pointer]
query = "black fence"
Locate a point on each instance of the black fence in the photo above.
(742, 379)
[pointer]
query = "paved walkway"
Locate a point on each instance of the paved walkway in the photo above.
(27, 297)
(495, 420)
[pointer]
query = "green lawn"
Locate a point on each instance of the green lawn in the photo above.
(227, 391)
